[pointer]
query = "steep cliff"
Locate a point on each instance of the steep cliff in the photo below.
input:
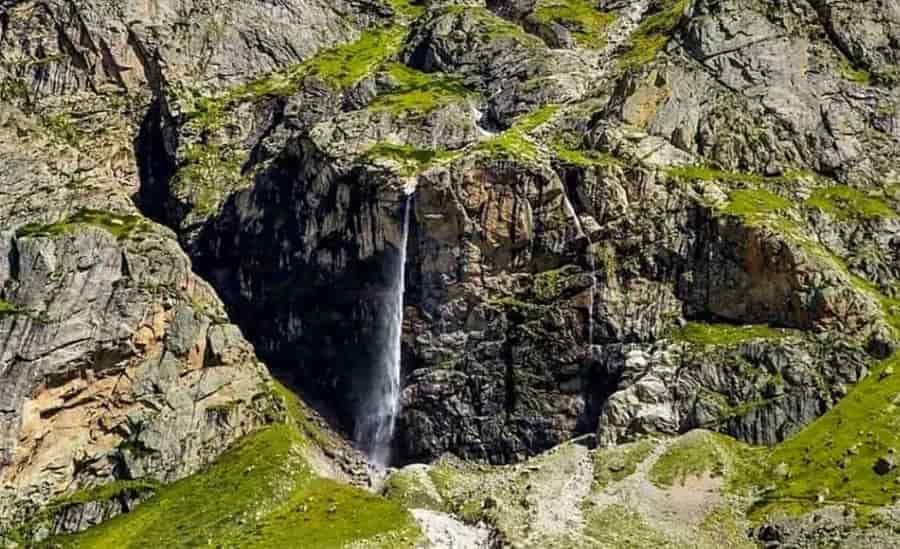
(586, 182)
(627, 219)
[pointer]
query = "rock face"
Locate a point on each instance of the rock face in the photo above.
(116, 361)
(629, 218)
(585, 183)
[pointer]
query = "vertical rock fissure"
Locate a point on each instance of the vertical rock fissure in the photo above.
(377, 419)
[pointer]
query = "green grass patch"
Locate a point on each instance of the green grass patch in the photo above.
(207, 173)
(120, 226)
(694, 455)
(752, 204)
(846, 202)
(7, 308)
(619, 526)
(302, 417)
(702, 333)
(700, 453)
(653, 34)
(706, 173)
(259, 494)
(548, 285)
(854, 74)
(407, 9)
(411, 489)
(834, 457)
(327, 514)
(724, 527)
(587, 24)
(410, 160)
(339, 67)
(63, 129)
(617, 463)
(345, 65)
(418, 92)
(193, 511)
(515, 143)
(582, 158)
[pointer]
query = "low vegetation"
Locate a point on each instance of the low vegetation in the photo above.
(702, 333)
(705, 453)
(753, 204)
(833, 460)
(620, 526)
(206, 174)
(516, 143)
(273, 500)
(418, 92)
(706, 173)
(696, 455)
(63, 129)
(854, 74)
(120, 226)
(614, 464)
(846, 202)
(587, 24)
(409, 160)
(653, 34)
(583, 158)
(7, 308)
(339, 67)
(492, 26)
(549, 285)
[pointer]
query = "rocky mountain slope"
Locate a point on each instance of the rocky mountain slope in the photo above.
(668, 225)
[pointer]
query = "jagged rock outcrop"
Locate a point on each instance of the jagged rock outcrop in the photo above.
(760, 391)
(628, 218)
(117, 361)
(705, 161)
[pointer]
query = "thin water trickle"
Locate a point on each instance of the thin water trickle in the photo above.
(593, 265)
(378, 418)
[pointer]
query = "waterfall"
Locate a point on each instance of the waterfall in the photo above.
(570, 210)
(377, 420)
(593, 264)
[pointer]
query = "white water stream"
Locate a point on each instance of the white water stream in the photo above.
(378, 418)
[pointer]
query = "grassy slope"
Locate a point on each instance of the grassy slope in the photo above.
(835, 456)
(259, 494)
(700, 333)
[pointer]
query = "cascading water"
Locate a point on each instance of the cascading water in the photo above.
(593, 265)
(378, 417)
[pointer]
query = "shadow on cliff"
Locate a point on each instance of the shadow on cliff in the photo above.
(313, 312)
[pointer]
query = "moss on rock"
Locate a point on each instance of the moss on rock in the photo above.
(846, 202)
(516, 143)
(653, 34)
(587, 24)
(120, 226)
(701, 333)
(418, 92)
(615, 464)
